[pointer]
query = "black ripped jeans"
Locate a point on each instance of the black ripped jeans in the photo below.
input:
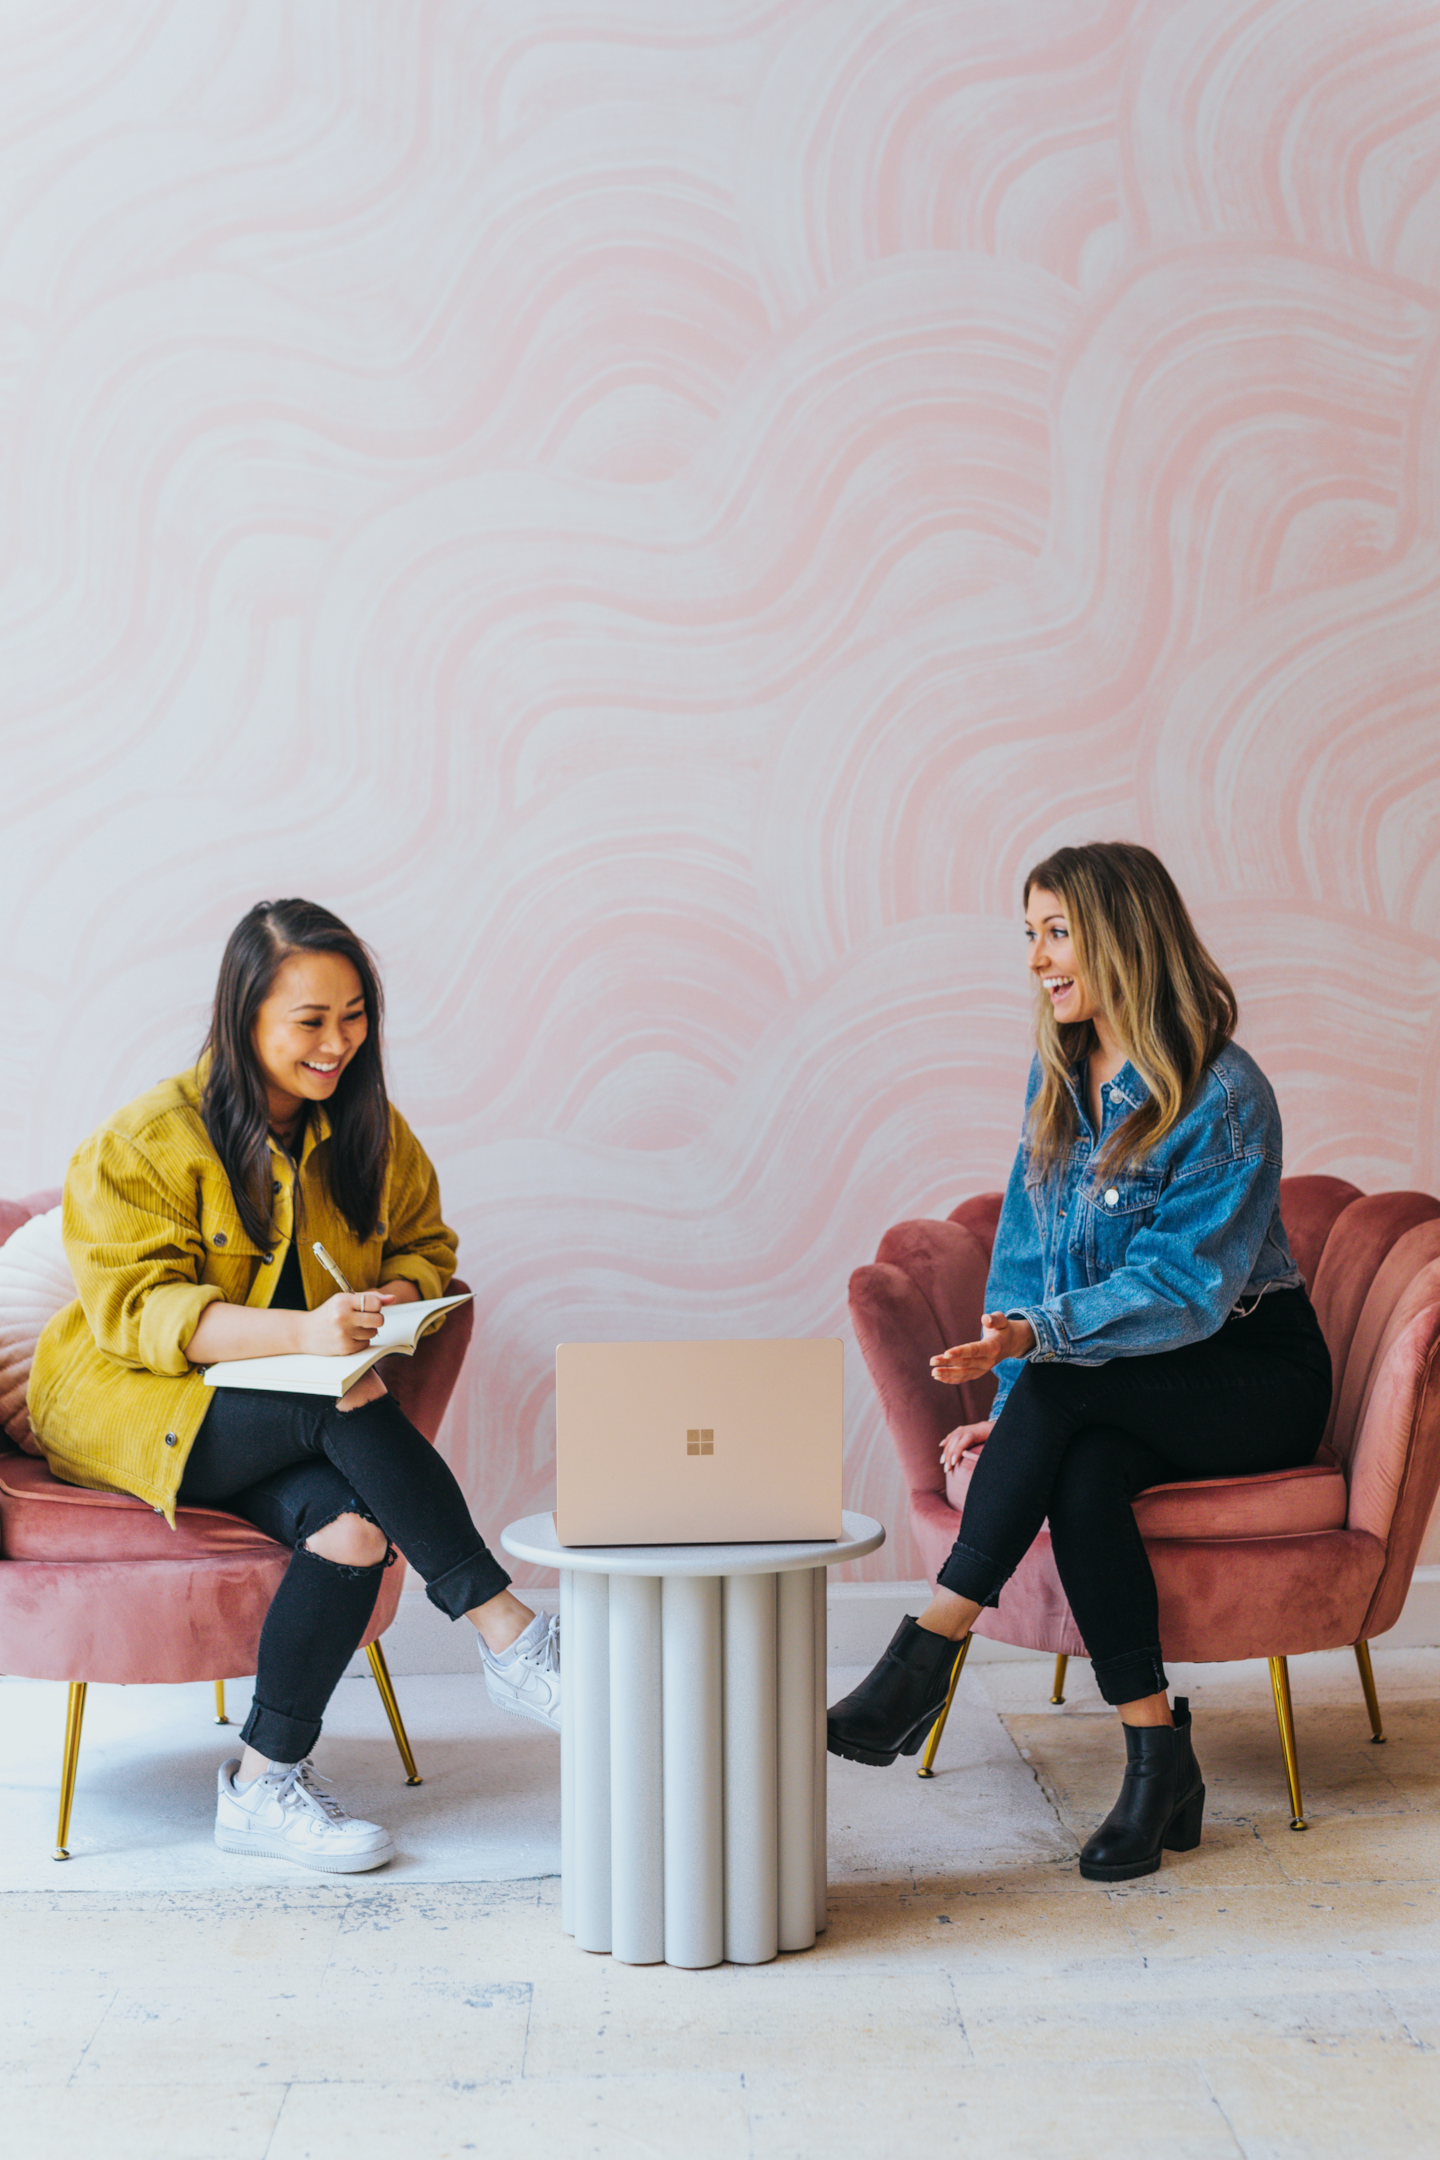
(290, 1464)
(1077, 1442)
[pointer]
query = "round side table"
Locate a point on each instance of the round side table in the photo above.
(692, 1742)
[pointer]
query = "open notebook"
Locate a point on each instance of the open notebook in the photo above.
(301, 1374)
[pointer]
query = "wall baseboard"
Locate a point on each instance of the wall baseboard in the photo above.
(1418, 1627)
(863, 1617)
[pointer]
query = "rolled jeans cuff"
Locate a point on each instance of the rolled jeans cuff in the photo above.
(280, 1738)
(469, 1583)
(974, 1575)
(1131, 1676)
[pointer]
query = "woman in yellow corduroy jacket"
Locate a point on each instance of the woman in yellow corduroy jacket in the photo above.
(190, 1219)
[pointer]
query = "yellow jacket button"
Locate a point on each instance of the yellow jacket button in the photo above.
(172, 1439)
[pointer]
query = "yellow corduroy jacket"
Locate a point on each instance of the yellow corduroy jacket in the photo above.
(153, 1236)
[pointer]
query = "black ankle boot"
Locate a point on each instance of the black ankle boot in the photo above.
(893, 1709)
(1160, 1804)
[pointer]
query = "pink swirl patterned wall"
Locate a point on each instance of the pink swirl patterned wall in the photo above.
(658, 511)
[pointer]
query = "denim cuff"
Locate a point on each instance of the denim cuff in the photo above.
(971, 1574)
(283, 1739)
(1050, 1341)
(1131, 1676)
(469, 1583)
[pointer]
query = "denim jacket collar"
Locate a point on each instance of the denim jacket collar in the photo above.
(1126, 1084)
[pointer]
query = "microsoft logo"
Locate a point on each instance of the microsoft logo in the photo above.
(700, 1440)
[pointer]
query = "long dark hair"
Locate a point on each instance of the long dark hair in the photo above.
(235, 1105)
(1148, 970)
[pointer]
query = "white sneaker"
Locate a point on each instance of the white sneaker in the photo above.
(526, 1677)
(285, 1816)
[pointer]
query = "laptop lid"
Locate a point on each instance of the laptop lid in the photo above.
(698, 1443)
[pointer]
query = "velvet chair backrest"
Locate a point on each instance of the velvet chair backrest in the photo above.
(1310, 1208)
(15, 1212)
(1372, 1262)
(1355, 1292)
(1376, 1290)
(1378, 1296)
(949, 1267)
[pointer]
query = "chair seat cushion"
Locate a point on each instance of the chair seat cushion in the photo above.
(1270, 1503)
(43, 1519)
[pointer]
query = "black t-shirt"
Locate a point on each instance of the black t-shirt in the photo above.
(290, 1290)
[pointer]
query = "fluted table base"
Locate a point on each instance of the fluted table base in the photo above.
(692, 1759)
(692, 1765)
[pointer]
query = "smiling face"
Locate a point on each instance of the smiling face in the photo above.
(1052, 958)
(307, 1031)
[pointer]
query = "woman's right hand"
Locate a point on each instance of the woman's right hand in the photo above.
(960, 1442)
(344, 1323)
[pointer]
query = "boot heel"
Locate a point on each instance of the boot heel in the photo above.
(917, 1739)
(1183, 1834)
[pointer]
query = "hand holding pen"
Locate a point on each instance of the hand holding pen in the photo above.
(345, 1323)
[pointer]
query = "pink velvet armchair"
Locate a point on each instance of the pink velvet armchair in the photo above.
(1268, 1566)
(96, 1586)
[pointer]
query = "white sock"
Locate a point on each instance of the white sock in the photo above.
(276, 1769)
(530, 1638)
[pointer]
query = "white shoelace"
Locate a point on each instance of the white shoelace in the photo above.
(301, 1785)
(541, 1655)
(546, 1654)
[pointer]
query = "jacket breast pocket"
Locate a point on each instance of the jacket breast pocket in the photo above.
(231, 1254)
(1113, 1213)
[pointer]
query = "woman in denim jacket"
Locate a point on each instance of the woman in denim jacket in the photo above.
(1147, 1323)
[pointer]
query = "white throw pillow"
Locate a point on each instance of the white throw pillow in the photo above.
(35, 1282)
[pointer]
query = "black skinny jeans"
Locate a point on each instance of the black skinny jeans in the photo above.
(1077, 1442)
(290, 1464)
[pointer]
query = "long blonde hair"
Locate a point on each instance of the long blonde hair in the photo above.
(1141, 958)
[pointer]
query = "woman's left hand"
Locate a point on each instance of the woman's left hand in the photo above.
(401, 1292)
(1000, 1337)
(962, 1441)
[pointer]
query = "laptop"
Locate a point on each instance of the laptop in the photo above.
(698, 1443)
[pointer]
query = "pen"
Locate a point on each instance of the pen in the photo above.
(329, 1265)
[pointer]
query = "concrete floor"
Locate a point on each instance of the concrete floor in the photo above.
(1270, 1995)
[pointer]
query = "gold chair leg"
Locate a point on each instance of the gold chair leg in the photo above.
(936, 1730)
(1060, 1664)
(386, 1686)
(1285, 1717)
(74, 1718)
(220, 1717)
(1372, 1700)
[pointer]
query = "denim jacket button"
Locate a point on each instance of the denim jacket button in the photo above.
(1112, 1198)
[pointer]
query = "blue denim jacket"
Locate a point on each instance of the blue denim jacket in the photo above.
(1161, 1254)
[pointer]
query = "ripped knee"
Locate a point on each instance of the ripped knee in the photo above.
(350, 1541)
